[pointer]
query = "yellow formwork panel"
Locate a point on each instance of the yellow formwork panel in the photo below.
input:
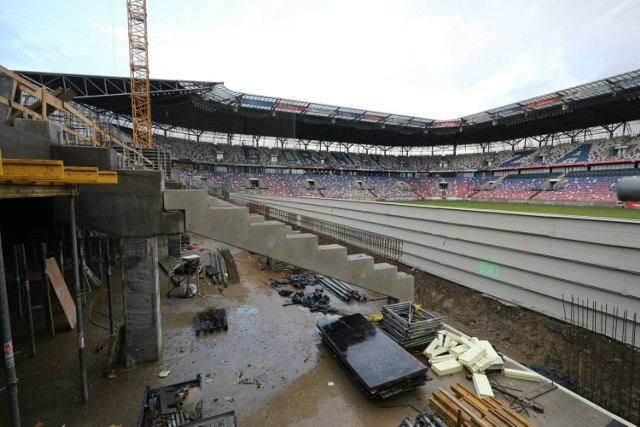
(107, 177)
(52, 172)
(32, 170)
(81, 175)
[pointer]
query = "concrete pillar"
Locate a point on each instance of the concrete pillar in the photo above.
(141, 297)
(174, 245)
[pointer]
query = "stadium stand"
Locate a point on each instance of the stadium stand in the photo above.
(510, 175)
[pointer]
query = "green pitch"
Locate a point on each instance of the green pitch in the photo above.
(616, 212)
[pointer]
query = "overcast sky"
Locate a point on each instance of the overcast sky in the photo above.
(438, 59)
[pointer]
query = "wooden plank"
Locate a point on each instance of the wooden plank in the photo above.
(62, 292)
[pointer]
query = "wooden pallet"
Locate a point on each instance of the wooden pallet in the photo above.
(206, 323)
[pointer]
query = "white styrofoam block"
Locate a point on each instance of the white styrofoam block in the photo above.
(482, 385)
(480, 365)
(447, 342)
(437, 352)
(432, 346)
(523, 375)
(467, 342)
(495, 361)
(442, 335)
(442, 358)
(459, 349)
(447, 367)
(472, 355)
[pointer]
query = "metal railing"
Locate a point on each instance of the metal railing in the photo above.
(378, 244)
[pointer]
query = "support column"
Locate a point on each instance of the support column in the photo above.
(7, 346)
(78, 292)
(174, 245)
(141, 299)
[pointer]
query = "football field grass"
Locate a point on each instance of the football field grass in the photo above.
(616, 212)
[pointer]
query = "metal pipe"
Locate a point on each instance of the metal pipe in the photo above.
(100, 260)
(632, 373)
(27, 294)
(18, 281)
(76, 284)
(61, 256)
(110, 290)
(7, 345)
(83, 278)
(47, 292)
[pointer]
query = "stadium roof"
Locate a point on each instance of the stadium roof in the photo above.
(210, 106)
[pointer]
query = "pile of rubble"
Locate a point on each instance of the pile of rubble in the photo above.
(315, 301)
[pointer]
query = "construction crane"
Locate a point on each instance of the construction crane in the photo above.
(139, 66)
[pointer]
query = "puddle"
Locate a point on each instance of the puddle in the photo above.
(246, 309)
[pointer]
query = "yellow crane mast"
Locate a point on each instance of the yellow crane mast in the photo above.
(139, 66)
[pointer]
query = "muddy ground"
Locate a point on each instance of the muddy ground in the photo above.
(270, 367)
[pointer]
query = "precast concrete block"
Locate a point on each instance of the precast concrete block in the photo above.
(381, 276)
(227, 224)
(300, 249)
(268, 238)
(255, 218)
(330, 257)
(356, 269)
(403, 289)
(192, 202)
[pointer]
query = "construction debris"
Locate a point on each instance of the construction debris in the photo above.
(381, 366)
(476, 355)
(274, 264)
(520, 374)
(234, 278)
(430, 419)
(464, 408)
(409, 325)
(341, 289)
(522, 401)
(210, 320)
(481, 385)
(315, 301)
(298, 281)
(173, 405)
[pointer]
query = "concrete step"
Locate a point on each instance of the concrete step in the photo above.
(235, 226)
(267, 238)
(254, 218)
(303, 246)
(333, 254)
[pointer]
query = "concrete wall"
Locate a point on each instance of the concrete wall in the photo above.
(47, 130)
(6, 84)
(20, 144)
(100, 157)
(531, 260)
(131, 208)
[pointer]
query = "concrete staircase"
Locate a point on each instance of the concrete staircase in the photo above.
(234, 225)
